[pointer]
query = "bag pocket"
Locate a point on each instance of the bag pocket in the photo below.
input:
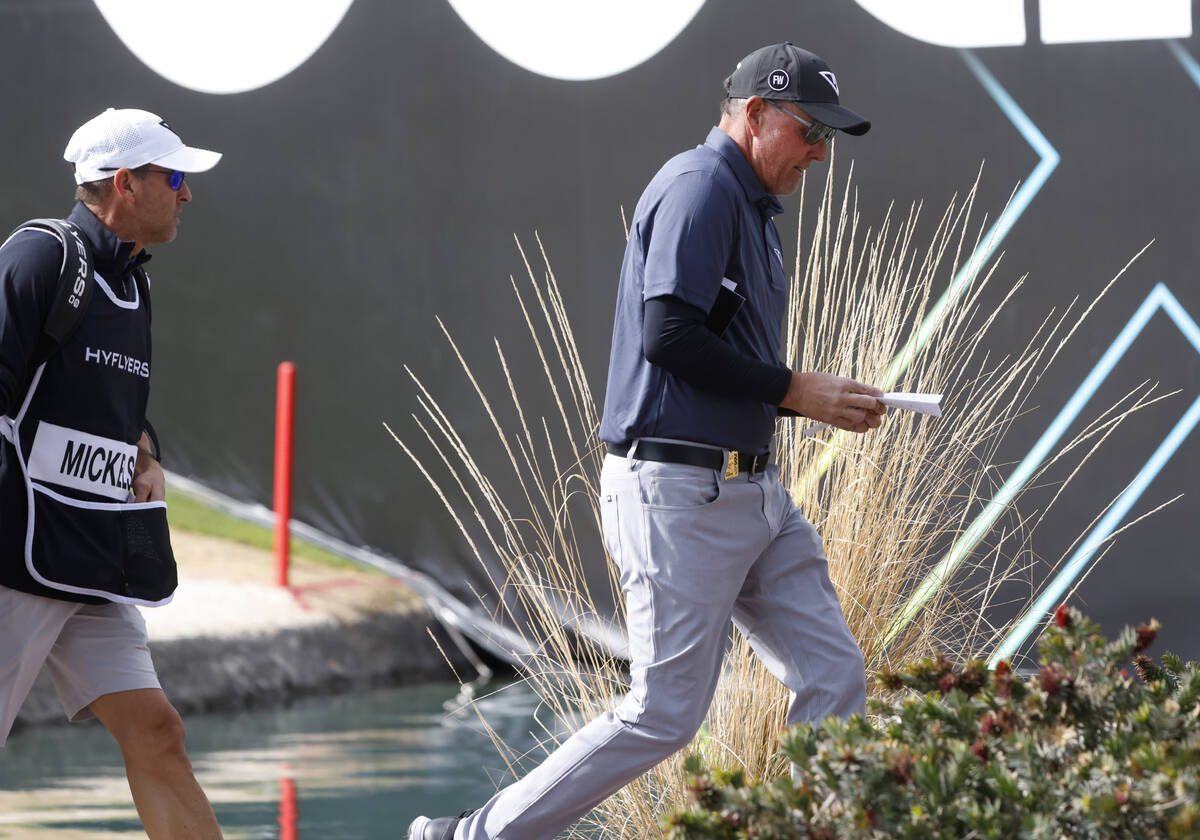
(123, 551)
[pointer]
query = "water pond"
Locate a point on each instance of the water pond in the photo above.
(336, 768)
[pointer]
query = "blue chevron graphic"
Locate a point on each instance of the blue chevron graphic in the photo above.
(1159, 298)
(1190, 66)
(1034, 137)
(963, 279)
(1000, 228)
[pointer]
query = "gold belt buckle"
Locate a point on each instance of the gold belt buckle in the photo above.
(731, 466)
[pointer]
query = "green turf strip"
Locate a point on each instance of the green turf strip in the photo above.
(185, 512)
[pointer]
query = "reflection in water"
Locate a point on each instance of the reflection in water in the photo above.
(355, 766)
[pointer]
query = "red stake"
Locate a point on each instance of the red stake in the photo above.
(289, 810)
(285, 402)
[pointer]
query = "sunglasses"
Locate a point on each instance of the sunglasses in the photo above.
(817, 131)
(174, 177)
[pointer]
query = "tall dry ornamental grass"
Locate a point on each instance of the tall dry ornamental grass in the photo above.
(900, 509)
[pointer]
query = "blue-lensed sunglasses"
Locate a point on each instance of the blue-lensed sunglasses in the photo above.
(174, 176)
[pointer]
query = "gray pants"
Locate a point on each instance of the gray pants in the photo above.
(695, 551)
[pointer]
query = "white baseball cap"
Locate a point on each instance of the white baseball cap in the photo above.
(126, 139)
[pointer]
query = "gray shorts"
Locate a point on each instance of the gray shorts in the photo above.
(90, 650)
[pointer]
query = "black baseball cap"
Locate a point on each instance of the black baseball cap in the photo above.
(787, 72)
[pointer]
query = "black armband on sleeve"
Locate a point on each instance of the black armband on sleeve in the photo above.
(675, 338)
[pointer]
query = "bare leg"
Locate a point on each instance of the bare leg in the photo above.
(149, 731)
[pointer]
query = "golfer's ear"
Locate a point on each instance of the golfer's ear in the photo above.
(755, 106)
(123, 182)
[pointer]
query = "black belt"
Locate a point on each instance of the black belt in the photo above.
(696, 456)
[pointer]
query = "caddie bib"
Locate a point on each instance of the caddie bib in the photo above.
(75, 439)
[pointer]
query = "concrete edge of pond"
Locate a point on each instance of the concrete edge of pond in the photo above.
(207, 673)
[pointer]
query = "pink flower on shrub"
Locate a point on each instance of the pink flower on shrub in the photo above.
(1003, 679)
(996, 723)
(1146, 635)
(1055, 678)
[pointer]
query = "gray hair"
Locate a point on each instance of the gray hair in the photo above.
(732, 106)
(94, 192)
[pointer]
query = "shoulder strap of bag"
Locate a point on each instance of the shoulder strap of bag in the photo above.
(73, 291)
(143, 284)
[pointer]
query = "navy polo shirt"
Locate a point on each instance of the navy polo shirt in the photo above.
(703, 218)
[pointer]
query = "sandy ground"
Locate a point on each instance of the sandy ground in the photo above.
(229, 589)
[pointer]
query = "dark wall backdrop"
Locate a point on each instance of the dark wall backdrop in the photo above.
(381, 183)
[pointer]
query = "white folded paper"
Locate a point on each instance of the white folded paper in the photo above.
(930, 404)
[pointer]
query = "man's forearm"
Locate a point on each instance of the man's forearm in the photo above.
(676, 339)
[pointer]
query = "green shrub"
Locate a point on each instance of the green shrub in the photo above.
(1101, 743)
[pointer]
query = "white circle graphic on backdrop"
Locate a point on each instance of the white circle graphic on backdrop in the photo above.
(577, 39)
(223, 46)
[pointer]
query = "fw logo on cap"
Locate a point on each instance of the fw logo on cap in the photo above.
(778, 80)
(828, 76)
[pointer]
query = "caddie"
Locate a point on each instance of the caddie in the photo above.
(83, 530)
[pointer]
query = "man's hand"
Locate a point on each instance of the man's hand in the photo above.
(149, 483)
(835, 400)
